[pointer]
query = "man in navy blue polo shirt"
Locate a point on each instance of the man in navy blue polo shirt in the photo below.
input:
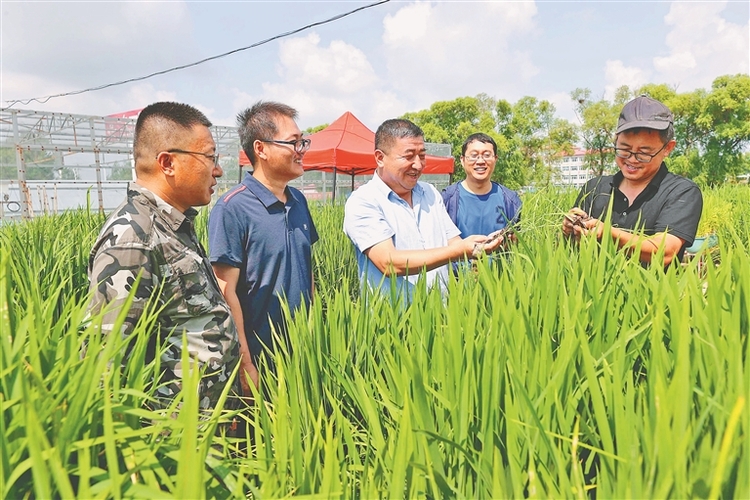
(651, 207)
(261, 233)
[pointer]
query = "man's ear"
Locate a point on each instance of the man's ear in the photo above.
(670, 146)
(165, 164)
(260, 149)
(379, 155)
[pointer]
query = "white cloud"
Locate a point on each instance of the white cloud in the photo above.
(340, 67)
(143, 94)
(89, 43)
(702, 45)
(438, 51)
(322, 82)
(616, 74)
(56, 47)
(430, 52)
(563, 106)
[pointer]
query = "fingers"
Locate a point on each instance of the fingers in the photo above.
(493, 243)
(485, 244)
(575, 222)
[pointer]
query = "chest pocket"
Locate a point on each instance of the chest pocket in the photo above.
(187, 288)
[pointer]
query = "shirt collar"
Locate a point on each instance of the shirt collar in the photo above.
(173, 217)
(652, 186)
(383, 188)
(262, 192)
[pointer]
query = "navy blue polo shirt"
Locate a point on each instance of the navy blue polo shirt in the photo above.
(270, 242)
(669, 203)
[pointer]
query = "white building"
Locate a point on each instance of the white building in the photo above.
(569, 170)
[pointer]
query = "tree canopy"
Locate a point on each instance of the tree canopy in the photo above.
(712, 130)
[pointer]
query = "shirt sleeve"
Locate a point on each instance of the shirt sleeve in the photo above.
(114, 277)
(681, 214)
(365, 223)
(226, 236)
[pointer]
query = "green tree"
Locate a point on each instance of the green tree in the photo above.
(712, 128)
(40, 165)
(317, 128)
(597, 128)
(121, 170)
(452, 121)
(726, 114)
(536, 136)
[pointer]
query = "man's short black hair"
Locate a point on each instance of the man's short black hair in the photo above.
(162, 122)
(396, 128)
(258, 122)
(479, 137)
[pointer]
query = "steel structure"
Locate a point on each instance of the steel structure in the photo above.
(90, 149)
(82, 143)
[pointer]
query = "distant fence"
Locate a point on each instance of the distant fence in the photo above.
(49, 197)
(52, 162)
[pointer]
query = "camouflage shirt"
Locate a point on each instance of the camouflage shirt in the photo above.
(147, 236)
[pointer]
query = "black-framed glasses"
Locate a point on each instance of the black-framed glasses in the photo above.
(300, 145)
(213, 157)
(486, 156)
(641, 157)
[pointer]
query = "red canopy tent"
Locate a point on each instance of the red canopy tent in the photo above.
(347, 146)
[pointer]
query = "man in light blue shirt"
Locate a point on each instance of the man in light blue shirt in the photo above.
(398, 225)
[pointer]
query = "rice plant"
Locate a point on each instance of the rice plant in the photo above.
(556, 371)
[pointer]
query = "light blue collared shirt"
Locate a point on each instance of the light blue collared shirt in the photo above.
(374, 213)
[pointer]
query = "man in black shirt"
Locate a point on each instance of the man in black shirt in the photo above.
(650, 207)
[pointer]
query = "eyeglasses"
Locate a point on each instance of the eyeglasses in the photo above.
(300, 145)
(475, 157)
(641, 157)
(213, 157)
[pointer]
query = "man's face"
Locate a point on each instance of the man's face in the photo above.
(282, 159)
(401, 166)
(194, 174)
(644, 141)
(479, 161)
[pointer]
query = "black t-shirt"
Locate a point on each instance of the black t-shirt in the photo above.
(670, 203)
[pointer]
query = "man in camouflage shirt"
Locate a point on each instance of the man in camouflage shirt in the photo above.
(151, 236)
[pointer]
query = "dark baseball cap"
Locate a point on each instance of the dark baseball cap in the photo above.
(644, 112)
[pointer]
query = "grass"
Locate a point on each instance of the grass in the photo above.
(560, 372)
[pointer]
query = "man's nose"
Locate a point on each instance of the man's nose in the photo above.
(218, 171)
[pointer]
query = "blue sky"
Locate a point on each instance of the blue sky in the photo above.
(378, 63)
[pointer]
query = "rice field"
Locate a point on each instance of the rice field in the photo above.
(556, 372)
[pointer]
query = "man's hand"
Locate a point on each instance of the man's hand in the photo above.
(248, 370)
(475, 245)
(593, 226)
(577, 223)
